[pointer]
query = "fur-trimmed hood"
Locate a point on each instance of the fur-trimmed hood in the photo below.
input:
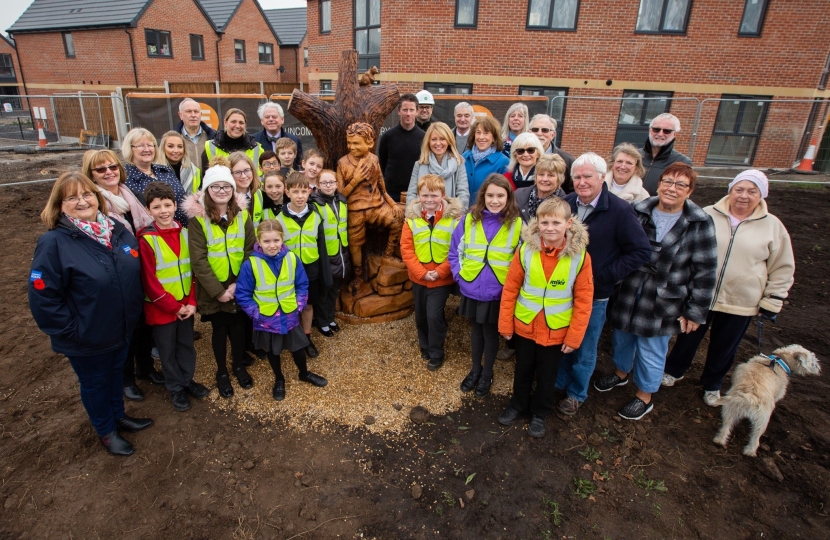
(576, 239)
(193, 204)
(452, 208)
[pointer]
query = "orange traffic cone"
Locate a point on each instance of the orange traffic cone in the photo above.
(806, 165)
(41, 135)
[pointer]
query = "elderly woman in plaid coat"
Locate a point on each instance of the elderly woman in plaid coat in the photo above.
(669, 294)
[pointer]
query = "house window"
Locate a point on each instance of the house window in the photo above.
(753, 18)
(367, 33)
(443, 88)
(68, 45)
(556, 110)
(239, 50)
(266, 53)
(325, 16)
(552, 14)
(305, 56)
(663, 16)
(6, 66)
(158, 43)
(466, 13)
(197, 48)
(636, 112)
(738, 127)
(325, 87)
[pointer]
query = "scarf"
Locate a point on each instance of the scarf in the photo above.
(119, 205)
(446, 169)
(524, 181)
(99, 230)
(534, 201)
(478, 155)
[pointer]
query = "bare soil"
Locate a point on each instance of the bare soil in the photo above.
(215, 473)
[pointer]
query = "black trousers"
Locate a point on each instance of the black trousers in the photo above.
(178, 356)
(429, 318)
(228, 326)
(326, 300)
(724, 339)
(299, 361)
(139, 357)
(534, 361)
(484, 341)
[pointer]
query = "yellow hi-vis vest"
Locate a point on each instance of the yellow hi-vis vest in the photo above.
(225, 250)
(173, 272)
(211, 151)
(334, 226)
(275, 292)
(260, 213)
(555, 295)
(476, 252)
(302, 241)
(432, 244)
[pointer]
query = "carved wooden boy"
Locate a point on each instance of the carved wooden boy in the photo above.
(360, 180)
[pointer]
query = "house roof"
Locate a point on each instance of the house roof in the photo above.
(8, 40)
(50, 15)
(290, 24)
(220, 11)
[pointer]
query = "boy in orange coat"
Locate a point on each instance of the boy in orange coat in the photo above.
(425, 244)
(546, 305)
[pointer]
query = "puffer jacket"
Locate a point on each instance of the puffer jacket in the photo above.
(633, 190)
(755, 263)
(340, 264)
(576, 241)
(655, 166)
(416, 269)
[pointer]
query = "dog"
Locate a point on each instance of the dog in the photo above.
(756, 386)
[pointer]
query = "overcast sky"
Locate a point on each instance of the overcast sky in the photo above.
(12, 9)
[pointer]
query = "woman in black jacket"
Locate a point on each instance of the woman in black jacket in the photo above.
(85, 294)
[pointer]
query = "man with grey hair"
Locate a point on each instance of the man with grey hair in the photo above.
(544, 127)
(464, 114)
(658, 152)
(195, 131)
(272, 118)
(618, 246)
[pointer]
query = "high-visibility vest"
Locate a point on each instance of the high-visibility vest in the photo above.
(334, 226)
(432, 244)
(555, 295)
(225, 250)
(275, 292)
(211, 150)
(302, 241)
(475, 252)
(173, 272)
(197, 180)
(260, 214)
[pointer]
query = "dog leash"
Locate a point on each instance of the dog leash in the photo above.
(773, 360)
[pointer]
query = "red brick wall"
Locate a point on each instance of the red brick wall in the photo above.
(5, 48)
(250, 25)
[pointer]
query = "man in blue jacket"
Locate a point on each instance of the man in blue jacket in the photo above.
(272, 118)
(618, 246)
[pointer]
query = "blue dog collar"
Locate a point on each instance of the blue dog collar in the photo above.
(773, 360)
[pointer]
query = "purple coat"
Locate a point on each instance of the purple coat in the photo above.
(485, 287)
(279, 322)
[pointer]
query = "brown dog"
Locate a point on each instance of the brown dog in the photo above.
(757, 385)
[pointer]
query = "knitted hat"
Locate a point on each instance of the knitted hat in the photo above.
(756, 177)
(425, 98)
(217, 173)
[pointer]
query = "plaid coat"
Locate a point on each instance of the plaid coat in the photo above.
(678, 280)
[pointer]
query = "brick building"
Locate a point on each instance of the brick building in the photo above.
(290, 25)
(9, 70)
(714, 63)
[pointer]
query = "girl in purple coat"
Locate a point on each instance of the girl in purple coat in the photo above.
(272, 289)
(482, 247)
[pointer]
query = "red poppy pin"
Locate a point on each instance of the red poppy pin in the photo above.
(134, 253)
(37, 280)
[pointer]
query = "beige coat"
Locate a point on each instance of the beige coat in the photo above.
(756, 266)
(633, 191)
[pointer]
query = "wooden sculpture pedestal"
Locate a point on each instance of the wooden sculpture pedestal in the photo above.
(387, 296)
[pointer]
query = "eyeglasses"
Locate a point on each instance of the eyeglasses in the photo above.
(678, 185)
(327, 183)
(270, 165)
(543, 130)
(217, 189)
(424, 107)
(243, 172)
(666, 131)
(102, 170)
(144, 146)
(530, 151)
(74, 199)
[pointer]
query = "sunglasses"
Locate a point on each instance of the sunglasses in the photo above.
(530, 151)
(543, 130)
(102, 170)
(666, 131)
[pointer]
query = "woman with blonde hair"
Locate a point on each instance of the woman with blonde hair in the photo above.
(439, 156)
(550, 173)
(175, 155)
(516, 122)
(625, 174)
(104, 169)
(524, 153)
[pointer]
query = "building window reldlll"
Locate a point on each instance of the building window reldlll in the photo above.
(663, 16)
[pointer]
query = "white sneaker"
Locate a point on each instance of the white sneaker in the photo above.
(505, 354)
(668, 380)
(712, 398)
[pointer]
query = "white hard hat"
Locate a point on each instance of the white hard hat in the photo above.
(425, 98)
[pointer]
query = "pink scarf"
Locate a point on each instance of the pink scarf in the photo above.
(99, 230)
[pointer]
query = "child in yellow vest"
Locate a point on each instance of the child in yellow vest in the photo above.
(170, 298)
(270, 198)
(273, 290)
(546, 305)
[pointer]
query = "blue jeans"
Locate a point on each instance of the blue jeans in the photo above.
(102, 383)
(647, 355)
(576, 368)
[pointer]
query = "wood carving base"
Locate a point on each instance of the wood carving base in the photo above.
(394, 316)
(386, 296)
